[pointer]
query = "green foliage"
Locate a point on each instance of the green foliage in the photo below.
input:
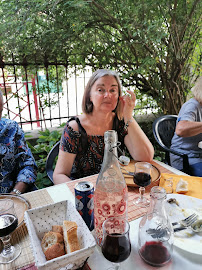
(40, 150)
(152, 44)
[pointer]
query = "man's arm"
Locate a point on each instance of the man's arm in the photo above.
(188, 128)
(26, 166)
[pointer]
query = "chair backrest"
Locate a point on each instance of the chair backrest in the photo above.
(163, 130)
(50, 160)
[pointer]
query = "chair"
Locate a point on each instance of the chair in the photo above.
(163, 130)
(50, 160)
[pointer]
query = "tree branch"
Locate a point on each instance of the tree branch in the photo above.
(189, 18)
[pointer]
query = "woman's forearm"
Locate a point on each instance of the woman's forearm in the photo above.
(60, 178)
(138, 144)
(63, 168)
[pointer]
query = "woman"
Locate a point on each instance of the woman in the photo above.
(18, 169)
(82, 143)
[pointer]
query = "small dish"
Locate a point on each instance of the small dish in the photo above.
(155, 175)
(124, 161)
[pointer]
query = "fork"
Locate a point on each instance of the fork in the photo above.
(187, 221)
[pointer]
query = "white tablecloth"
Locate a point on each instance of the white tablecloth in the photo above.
(181, 259)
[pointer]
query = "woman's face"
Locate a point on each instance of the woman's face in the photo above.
(104, 94)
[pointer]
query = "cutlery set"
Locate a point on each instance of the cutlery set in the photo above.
(185, 223)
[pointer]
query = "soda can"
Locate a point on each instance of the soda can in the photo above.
(84, 192)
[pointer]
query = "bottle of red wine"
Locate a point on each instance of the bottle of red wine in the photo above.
(155, 237)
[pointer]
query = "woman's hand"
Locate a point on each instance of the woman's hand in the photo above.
(128, 105)
(136, 141)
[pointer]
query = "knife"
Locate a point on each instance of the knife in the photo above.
(179, 229)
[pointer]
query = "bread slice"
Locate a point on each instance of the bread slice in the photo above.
(57, 228)
(52, 245)
(70, 236)
(54, 251)
(182, 186)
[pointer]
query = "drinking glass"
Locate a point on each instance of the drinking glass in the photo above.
(116, 246)
(142, 178)
(8, 223)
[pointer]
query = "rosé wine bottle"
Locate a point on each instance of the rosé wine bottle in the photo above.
(111, 193)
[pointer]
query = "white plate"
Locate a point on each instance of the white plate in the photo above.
(186, 239)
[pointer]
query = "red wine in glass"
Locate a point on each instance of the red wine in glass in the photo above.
(142, 179)
(8, 223)
(155, 253)
(116, 248)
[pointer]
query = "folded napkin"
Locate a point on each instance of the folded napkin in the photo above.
(194, 184)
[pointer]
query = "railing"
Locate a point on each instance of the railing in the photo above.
(43, 95)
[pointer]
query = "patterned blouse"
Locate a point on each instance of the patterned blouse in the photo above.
(89, 149)
(16, 161)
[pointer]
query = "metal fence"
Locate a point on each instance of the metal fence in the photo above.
(45, 95)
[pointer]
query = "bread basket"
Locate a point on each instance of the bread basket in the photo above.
(40, 220)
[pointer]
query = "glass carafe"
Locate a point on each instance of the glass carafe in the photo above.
(155, 239)
(111, 193)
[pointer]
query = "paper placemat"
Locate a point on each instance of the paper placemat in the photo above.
(194, 184)
(20, 235)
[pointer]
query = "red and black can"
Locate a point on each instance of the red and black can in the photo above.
(84, 192)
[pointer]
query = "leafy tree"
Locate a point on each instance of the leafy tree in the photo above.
(155, 46)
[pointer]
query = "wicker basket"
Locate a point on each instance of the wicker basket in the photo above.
(40, 220)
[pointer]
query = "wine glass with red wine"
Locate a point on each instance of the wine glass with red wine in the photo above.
(8, 223)
(142, 178)
(116, 246)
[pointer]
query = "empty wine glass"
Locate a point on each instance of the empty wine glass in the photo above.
(116, 246)
(142, 178)
(8, 223)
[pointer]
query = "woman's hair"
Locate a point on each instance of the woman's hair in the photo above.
(197, 89)
(87, 105)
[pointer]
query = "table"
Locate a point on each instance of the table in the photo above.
(181, 259)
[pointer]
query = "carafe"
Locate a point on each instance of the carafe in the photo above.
(155, 238)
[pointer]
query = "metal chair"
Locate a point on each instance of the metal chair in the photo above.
(50, 160)
(163, 130)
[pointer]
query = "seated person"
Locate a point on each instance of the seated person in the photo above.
(17, 165)
(188, 132)
(104, 108)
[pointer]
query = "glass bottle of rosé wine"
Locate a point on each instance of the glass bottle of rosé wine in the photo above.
(111, 193)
